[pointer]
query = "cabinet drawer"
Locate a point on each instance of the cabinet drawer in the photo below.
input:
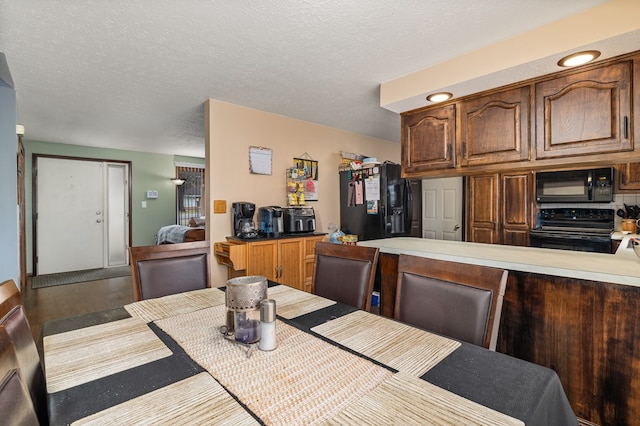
(231, 255)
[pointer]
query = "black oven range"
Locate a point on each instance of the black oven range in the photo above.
(576, 229)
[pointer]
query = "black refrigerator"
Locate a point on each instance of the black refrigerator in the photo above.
(376, 202)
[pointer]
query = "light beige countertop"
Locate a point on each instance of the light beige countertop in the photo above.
(620, 268)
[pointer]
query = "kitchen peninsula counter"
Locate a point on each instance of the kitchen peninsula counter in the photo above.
(621, 268)
(574, 312)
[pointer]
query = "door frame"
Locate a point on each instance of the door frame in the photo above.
(34, 197)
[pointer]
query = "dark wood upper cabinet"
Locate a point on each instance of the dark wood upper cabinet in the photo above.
(428, 139)
(585, 113)
(495, 128)
(628, 177)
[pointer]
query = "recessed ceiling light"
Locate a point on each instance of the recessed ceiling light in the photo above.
(579, 58)
(439, 97)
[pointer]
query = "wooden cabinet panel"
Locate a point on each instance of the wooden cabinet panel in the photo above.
(428, 139)
(500, 208)
(289, 269)
(262, 258)
(584, 330)
(584, 113)
(628, 177)
(517, 206)
(310, 262)
(482, 218)
(495, 128)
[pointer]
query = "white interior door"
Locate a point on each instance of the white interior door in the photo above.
(442, 208)
(70, 215)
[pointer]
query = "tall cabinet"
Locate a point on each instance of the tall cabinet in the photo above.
(500, 208)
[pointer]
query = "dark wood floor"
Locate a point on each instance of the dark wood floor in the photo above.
(63, 301)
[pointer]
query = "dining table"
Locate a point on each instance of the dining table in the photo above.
(166, 361)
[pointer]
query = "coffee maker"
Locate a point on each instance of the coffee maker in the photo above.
(271, 223)
(242, 219)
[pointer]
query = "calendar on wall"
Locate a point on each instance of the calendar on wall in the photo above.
(260, 160)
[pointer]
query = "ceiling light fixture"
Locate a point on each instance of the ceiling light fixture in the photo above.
(578, 58)
(439, 97)
(177, 181)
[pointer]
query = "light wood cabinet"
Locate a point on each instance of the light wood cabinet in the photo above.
(428, 139)
(495, 128)
(585, 113)
(289, 261)
(628, 177)
(500, 208)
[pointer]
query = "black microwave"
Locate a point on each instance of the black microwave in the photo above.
(575, 186)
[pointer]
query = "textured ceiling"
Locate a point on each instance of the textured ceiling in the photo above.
(134, 74)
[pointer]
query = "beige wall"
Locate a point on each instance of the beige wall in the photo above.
(231, 129)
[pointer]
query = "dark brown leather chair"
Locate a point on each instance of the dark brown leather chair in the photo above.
(166, 269)
(16, 406)
(345, 273)
(457, 300)
(15, 323)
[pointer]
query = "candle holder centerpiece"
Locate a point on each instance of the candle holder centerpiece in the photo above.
(242, 300)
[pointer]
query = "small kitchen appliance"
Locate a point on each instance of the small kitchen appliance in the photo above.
(299, 219)
(271, 221)
(242, 219)
(575, 186)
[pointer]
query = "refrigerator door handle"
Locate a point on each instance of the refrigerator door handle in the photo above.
(408, 214)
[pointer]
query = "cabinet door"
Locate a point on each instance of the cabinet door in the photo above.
(495, 128)
(584, 113)
(262, 258)
(289, 269)
(516, 202)
(482, 219)
(310, 261)
(628, 177)
(428, 138)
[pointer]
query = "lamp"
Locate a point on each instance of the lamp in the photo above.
(439, 97)
(579, 58)
(19, 130)
(177, 181)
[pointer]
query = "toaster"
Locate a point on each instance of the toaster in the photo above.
(299, 219)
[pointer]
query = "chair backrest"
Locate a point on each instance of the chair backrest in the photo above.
(345, 273)
(16, 405)
(9, 296)
(165, 269)
(457, 300)
(14, 321)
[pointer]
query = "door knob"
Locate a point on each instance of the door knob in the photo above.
(455, 228)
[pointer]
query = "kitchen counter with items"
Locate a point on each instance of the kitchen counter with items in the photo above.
(621, 268)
